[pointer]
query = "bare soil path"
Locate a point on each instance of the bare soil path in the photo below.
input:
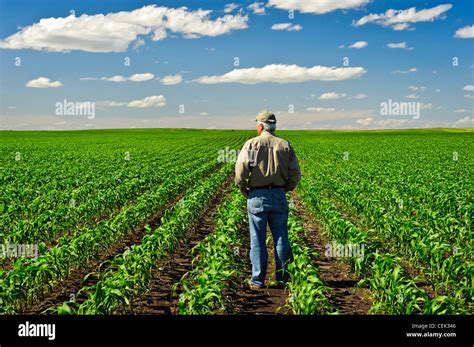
(161, 299)
(266, 301)
(64, 291)
(345, 296)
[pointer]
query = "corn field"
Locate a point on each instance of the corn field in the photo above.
(149, 222)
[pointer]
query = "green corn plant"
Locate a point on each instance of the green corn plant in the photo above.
(308, 293)
(117, 287)
(215, 262)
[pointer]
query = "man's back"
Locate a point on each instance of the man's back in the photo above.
(268, 161)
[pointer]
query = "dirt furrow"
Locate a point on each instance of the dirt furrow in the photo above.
(161, 298)
(344, 295)
(266, 301)
(69, 287)
(77, 278)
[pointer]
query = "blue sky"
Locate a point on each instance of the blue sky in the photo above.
(48, 56)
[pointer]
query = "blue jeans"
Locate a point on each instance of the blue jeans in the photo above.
(268, 206)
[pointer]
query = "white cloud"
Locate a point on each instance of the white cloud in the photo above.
(373, 123)
(116, 78)
(469, 96)
(417, 88)
(358, 96)
(281, 73)
(460, 110)
(464, 122)
(140, 77)
(43, 82)
(466, 32)
(365, 121)
(138, 43)
(320, 109)
(257, 8)
(424, 106)
(400, 45)
(228, 8)
(402, 26)
(413, 69)
(334, 96)
(171, 79)
(287, 27)
(161, 34)
(331, 96)
(88, 79)
(403, 19)
(412, 96)
(316, 6)
(391, 123)
(359, 44)
(149, 101)
(113, 32)
(108, 103)
(469, 88)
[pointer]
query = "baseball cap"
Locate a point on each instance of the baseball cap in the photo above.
(266, 116)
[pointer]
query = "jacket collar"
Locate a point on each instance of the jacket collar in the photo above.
(266, 133)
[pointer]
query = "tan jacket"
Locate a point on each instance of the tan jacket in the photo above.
(267, 160)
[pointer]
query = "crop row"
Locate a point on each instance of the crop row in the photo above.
(30, 278)
(50, 215)
(308, 293)
(215, 267)
(130, 273)
(51, 224)
(453, 273)
(392, 289)
(48, 168)
(448, 267)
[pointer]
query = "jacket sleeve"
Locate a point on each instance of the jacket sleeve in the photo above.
(294, 173)
(242, 168)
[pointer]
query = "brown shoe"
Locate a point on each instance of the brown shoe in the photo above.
(254, 286)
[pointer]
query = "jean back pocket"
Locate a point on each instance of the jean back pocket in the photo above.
(255, 205)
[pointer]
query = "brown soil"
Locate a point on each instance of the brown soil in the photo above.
(77, 278)
(161, 298)
(266, 301)
(63, 291)
(422, 282)
(344, 295)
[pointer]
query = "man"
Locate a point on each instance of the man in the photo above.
(266, 168)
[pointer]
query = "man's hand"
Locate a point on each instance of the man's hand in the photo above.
(245, 191)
